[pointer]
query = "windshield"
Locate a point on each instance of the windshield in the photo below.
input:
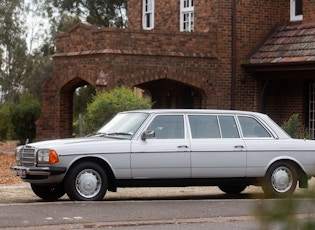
(123, 125)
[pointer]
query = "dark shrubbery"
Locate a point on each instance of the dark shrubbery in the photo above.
(23, 115)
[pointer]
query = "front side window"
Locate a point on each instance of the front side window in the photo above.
(168, 127)
(148, 14)
(187, 15)
(296, 10)
(251, 128)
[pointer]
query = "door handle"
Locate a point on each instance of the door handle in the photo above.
(239, 146)
(182, 147)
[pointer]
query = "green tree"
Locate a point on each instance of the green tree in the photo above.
(23, 114)
(101, 13)
(106, 104)
(13, 49)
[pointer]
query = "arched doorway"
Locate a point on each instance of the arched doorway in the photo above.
(67, 94)
(170, 94)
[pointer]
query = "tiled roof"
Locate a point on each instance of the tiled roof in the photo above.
(289, 43)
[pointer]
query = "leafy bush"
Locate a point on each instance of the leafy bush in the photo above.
(107, 104)
(294, 127)
(23, 114)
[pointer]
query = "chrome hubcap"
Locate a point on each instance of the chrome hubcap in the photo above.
(88, 183)
(282, 179)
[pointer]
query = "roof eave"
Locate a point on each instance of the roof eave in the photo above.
(275, 67)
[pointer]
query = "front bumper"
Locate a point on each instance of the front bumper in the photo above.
(40, 172)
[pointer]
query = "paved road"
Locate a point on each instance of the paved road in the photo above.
(126, 214)
(137, 208)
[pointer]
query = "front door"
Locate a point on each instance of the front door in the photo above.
(167, 155)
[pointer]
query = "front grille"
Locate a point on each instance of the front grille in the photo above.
(27, 156)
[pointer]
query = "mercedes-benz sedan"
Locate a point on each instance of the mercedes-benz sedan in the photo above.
(228, 149)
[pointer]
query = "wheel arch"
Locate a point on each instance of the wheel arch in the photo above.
(101, 162)
(302, 176)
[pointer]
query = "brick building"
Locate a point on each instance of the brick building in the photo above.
(236, 54)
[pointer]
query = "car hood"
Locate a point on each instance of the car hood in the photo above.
(80, 145)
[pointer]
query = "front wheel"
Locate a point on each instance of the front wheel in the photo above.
(280, 180)
(87, 181)
(50, 193)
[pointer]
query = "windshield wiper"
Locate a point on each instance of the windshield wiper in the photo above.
(118, 134)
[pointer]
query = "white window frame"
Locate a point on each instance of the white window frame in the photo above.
(293, 16)
(148, 14)
(187, 15)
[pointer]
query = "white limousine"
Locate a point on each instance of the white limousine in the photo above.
(150, 148)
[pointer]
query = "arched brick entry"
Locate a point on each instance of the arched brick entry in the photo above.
(166, 93)
(105, 58)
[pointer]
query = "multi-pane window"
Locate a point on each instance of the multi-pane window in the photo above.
(296, 10)
(148, 14)
(311, 113)
(213, 126)
(187, 15)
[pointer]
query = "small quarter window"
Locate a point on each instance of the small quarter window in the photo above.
(228, 127)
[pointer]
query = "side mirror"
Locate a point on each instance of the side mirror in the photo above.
(147, 134)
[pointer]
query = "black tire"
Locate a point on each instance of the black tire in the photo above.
(49, 193)
(87, 181)
(280, 180)
(232, 189)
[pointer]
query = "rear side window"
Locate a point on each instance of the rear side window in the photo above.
(204, 126)
(213, 126)
(252, 128)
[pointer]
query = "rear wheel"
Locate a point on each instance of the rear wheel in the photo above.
(232, 189)
(87, 181)
(50, 193)
(280, 180)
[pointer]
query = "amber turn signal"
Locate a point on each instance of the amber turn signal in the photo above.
(53, 157)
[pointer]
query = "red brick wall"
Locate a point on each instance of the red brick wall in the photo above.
(308, 10)
(280, 105)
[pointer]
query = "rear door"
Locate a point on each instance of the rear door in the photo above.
(217, 151)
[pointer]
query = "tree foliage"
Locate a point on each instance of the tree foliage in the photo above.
(13, 49)
(23, 115)
(101, 13)
(106, 104)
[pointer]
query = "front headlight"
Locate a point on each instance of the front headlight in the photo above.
(18, 153)
(47, 156)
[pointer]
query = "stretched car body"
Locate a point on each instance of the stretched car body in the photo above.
(229, 149)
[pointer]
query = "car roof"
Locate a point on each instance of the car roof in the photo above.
(214, 111)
